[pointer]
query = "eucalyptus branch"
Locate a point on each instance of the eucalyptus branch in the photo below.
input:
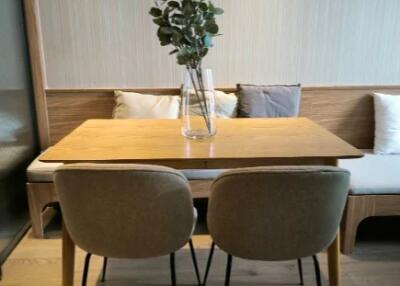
(203, 112)
(202, 89)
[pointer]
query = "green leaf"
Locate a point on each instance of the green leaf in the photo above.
(165, 43)
(188, 8)
(198, 19)
(211, 27)
(203, 53)
(173, 4)
(155, 12)
(188, 39)
(185, 41)
(173, 51)
(160, 21)
(176, 37)
(208, 15)
(177, 21)
(182, 57)
(166, 12)
(199, 31)
(167, 30)
(176, 15)
(177, 30)
(217, 11)
(188, 30)
(203, 7)
(165, 39)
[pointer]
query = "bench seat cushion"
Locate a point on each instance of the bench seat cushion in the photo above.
(43, 172)
(370, 175)
(201, 174)
(39, 172)
(373, 174)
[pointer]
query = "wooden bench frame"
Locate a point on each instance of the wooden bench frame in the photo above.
(361, 207)
(347, 111)
(40, 196)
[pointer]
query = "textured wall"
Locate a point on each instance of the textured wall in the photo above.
(112, 43)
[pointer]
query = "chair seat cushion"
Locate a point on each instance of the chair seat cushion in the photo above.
(43, 172)
(373, 174)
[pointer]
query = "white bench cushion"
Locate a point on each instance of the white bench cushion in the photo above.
(202, 174)
(373, 174)
(43, 172)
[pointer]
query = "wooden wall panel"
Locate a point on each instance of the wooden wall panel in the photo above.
(68, 110)
(102, 43)
(35, 43)
(346, 111)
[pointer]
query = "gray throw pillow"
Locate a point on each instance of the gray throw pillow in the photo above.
(269, 100)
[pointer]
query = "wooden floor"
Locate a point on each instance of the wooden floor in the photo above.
(38, 263)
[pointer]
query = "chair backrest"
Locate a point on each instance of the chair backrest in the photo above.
(125, 211)
(277, 213)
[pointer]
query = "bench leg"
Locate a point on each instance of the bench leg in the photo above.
(39, 196)
(357, 209)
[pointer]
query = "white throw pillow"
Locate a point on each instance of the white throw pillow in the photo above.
(136, 105)
(387, 124)
(225, 104)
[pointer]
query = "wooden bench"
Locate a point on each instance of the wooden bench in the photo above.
(346, 111)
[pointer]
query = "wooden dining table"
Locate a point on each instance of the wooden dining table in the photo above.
(238, 143)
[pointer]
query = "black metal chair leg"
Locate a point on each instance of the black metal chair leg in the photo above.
(86, 269)
(300, 267)
(103, 275)
(228, 270)
(172, 265)
(210, 257)
(317, 270)
(194, 259)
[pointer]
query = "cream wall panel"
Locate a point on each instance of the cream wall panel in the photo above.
(112, 43)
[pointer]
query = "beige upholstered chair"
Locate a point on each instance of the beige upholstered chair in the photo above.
(276, 213)
(126, 211)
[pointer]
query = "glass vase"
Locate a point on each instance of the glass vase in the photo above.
(198, 104)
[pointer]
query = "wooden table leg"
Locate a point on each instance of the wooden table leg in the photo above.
(334, 261)
(334, 248)
(68, 258)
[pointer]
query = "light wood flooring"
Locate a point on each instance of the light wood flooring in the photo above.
(376, 262)
(37, 262)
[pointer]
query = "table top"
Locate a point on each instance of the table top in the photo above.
(242, 140)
